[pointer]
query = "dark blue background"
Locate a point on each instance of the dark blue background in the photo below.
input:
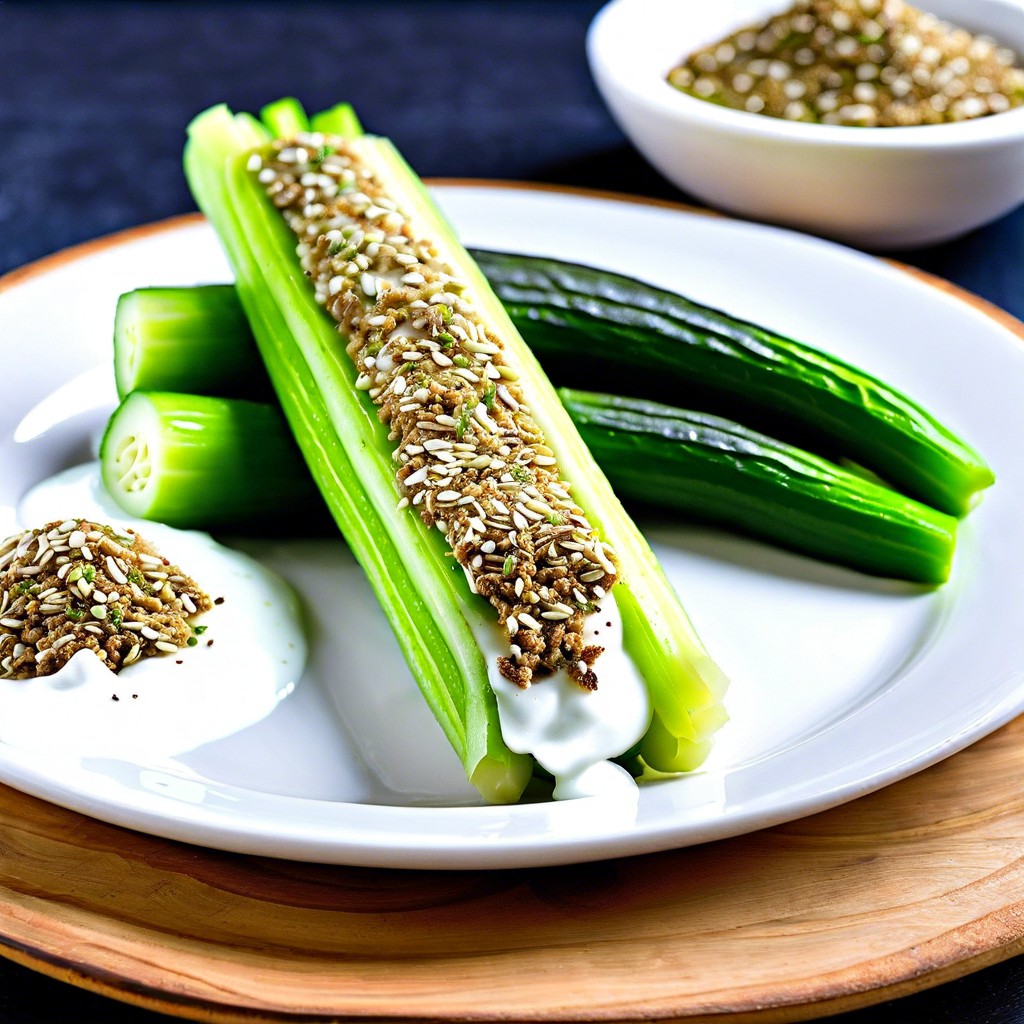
(93, 103)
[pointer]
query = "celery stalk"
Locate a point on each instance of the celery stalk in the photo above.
(300, 345)
(423, 599)
(685, 685)
(338, 120)
(284, 117)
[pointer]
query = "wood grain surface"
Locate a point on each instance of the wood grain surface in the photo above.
(906, 888)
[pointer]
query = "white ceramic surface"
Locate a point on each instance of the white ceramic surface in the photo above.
(840, 683)
(874, 187)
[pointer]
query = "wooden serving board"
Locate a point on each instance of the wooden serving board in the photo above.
(909, 887)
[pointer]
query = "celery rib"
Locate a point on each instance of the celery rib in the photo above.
(438, 646)
(335, 426)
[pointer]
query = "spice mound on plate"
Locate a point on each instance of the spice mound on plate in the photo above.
(867, 63)
(78, 585)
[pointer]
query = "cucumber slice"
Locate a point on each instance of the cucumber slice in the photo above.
(718, 471)
(186, 339)
(198, 462)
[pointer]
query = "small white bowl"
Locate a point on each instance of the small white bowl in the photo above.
(878, 188)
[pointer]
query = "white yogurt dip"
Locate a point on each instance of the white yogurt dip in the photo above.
(165, 705)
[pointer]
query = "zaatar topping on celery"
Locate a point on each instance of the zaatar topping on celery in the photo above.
(471, 459)
(78, 585)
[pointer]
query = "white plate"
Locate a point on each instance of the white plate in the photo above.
(840, 683)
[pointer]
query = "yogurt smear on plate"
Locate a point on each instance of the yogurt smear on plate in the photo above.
(250, 655)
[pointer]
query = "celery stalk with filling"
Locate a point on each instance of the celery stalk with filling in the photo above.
(346, 433)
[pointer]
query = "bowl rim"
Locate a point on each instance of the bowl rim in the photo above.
(604, 42)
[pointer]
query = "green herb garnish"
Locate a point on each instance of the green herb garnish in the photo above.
(463, 422)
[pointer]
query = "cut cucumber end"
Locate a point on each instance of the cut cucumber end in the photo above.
(125, 343)
(128, 452)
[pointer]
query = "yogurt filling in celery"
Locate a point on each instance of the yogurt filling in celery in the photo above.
(572, 733)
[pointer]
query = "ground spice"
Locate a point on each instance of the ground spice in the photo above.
(867, 63)
(79, 585)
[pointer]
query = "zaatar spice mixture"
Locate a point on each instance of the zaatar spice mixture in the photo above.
(471, 459)
(867, 63)
(79, 585)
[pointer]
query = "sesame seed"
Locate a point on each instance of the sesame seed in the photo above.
(114, 571)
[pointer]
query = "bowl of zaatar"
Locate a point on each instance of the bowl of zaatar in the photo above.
(871, 121)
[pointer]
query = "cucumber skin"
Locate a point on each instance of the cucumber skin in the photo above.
(658, 345)
(722, 473)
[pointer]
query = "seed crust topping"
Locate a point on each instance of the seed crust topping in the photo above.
(469, 458)
(79, 585)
